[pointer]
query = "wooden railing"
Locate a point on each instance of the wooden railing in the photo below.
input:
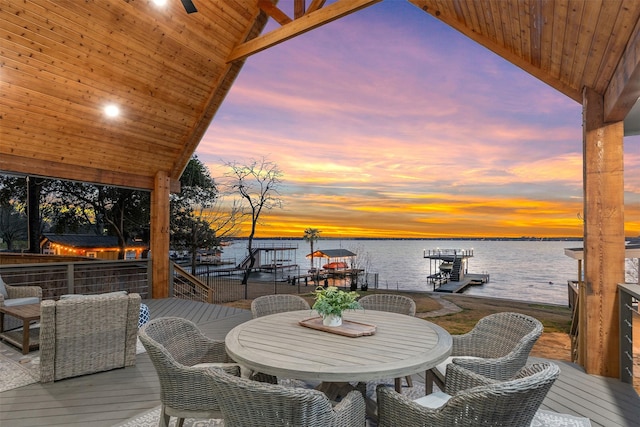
(187, 286)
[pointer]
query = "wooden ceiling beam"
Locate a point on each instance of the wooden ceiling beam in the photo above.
(274, 11)
(57, 170)
(298, 8)
(305, 23)
(624, 88)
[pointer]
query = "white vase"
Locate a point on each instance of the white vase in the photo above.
(332, 320)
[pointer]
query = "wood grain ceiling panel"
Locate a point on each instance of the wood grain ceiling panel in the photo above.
(559, 24)
(61, 61)
(568, 44)
(572, 35)
(546, 34)
(625, 22)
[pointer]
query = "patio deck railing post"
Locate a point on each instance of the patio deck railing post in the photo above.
(70, 278)
(172, 276)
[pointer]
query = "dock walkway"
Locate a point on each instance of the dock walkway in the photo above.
(458, 286)
(109, 398)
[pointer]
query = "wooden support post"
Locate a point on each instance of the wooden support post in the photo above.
(160, 236)
(603, 237)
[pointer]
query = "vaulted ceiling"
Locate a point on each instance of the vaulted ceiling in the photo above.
(62, 61)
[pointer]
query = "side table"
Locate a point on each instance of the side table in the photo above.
(21, 339)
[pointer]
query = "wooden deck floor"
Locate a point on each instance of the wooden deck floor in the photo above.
(108, 398)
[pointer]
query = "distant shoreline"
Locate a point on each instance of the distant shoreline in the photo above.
(498, 239)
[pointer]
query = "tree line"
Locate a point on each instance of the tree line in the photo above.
(203, 213)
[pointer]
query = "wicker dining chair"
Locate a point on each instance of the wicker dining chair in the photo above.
(389, 302)
(181, 355)
(258, 404)
(395, 304)
(271, 304)
(497, 347)
(279, 303)
(471, 400)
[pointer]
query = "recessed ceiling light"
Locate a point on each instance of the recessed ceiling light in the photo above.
(160, 2)
(112, 110)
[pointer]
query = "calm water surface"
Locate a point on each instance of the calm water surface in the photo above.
(522, 270)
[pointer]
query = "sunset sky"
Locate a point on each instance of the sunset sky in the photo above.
(388, 123)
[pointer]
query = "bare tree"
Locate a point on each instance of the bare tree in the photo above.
(258, 185)
(224, 217)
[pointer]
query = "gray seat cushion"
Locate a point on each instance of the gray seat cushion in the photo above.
(21, 301)
(3, 289)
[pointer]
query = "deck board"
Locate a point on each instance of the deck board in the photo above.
(109, 398)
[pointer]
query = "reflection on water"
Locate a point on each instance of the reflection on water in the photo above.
(522, 270)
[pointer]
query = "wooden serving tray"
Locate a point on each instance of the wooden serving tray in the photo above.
(348, 328)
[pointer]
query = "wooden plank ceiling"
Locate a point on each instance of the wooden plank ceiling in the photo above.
(568, 44)
(61, 61)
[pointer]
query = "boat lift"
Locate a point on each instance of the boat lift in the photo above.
(448, 270)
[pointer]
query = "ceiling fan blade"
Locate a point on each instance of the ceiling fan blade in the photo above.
(189, 6)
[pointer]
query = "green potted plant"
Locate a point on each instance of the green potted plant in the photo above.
(330, 302)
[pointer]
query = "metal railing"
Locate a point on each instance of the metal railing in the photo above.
(573, 298)
(207, 283)
(629, 295)
(81, 277)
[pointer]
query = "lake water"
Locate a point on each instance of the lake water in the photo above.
(535, 271)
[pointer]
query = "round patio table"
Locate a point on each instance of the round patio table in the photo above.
(279, 345)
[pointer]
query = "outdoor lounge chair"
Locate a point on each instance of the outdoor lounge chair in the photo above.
(395, 304)
(17, 295)
(497, 347)
(87, 334)
(270, 304)
(249, 403)
(471, 400)
(182, 355)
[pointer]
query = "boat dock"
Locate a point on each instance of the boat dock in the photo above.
(460, 286)
(448, 270)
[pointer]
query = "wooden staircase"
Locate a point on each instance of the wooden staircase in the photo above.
(245, 262)
(187, 286)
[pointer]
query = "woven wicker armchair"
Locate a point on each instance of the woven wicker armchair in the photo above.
(389, 302)
(257, 404)
(472, 400)
(86, 335)
(182, 355)
(17, 295)
(497, 347)
(271, 304)
(395, 304)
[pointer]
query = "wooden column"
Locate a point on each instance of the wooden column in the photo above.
(603, 237)
(160, 236)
